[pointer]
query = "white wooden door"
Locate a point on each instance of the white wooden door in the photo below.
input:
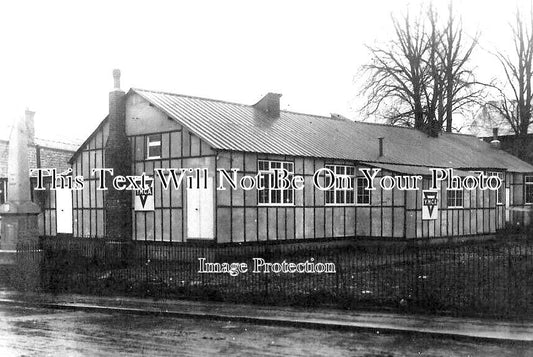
(200, 213)
(507, 204)
(64, 210)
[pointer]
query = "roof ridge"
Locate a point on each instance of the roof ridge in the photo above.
(235, 103)
(59, 141)
(311, 115)
(408, 127)
(287, 111)
(191, 96)
(461, 134)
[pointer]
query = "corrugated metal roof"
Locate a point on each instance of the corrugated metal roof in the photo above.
(238, 127)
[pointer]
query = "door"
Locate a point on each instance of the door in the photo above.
(507, 204)
(200, 212)
(64, 210)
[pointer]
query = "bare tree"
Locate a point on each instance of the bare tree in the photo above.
(460, 87)
(398, 76)
(515, 106)
(421, 77)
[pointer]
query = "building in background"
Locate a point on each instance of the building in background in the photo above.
(165, 130)
(56, 216)
(489, 125)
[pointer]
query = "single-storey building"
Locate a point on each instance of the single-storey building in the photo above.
(146, 130)
(56, 206)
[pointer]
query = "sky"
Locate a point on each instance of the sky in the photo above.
(57, 57)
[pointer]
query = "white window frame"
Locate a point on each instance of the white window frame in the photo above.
(154, 143)
(499, 197)
(455, 198)
(528, 183)
(333, 192)
(357, 185)
(263, 174)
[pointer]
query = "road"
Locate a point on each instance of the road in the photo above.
(28, 331)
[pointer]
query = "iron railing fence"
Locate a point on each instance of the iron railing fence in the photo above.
(489, 278)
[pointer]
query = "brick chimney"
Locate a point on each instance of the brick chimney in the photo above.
(380, 146)
(118, 157)
(269, 104)
(495, 143)
(30, 126)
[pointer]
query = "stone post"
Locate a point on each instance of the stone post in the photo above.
(19, 214)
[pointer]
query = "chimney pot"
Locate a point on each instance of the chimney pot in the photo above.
(116, 78)
(495, 143)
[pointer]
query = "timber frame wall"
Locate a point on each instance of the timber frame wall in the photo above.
(88, 204)
(180, 148)
(391, 214)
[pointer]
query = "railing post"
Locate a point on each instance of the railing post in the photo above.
(267, 258)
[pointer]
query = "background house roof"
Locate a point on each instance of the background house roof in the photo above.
(58, 143)
(488, 118)
(53, 153)
(238, 127)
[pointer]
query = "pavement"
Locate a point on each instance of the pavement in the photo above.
(320, 318)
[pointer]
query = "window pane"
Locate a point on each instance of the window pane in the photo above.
(454, 198)
(275, 196)
(288, 196)
(154, 151)
(350, 196)
(529, 189)
(288, 166)
(363, 195)
(343, 192)
(154, 138)
(2, 192)
(154, 146)
(340, 196)
(269, 195)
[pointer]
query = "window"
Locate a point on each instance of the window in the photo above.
(153, 146)
(3, 193)
(270, 195)
(363, 195)
(501, 191)
(528, 189)
(343, 190)
(454, 198)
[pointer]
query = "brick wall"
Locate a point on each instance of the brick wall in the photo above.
(49, 157)
(55, 158)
